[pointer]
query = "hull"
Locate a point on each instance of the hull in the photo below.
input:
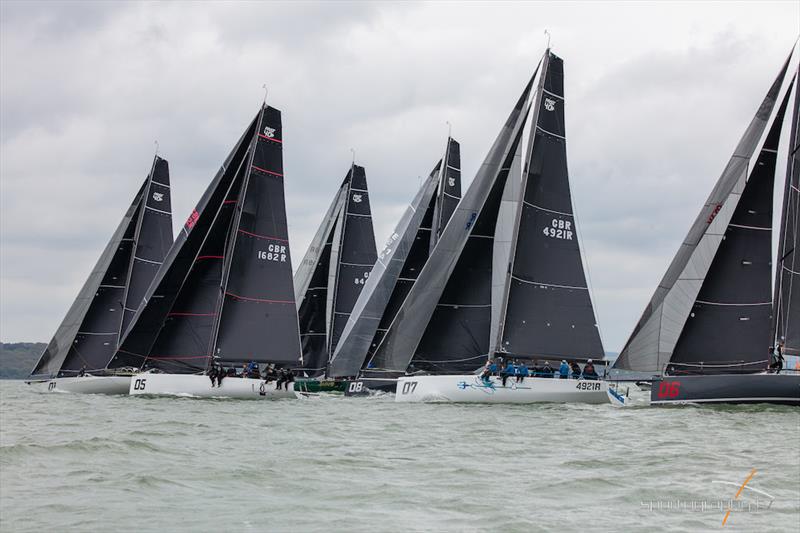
(199, 386)
(319, 385)
(84, 385)
(471, 389)
(732, 388)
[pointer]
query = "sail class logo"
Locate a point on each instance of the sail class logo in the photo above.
(549, 104)
(357, 198)
(451, 182)
(269, 132)
(158, 196)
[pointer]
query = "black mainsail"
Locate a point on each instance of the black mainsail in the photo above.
(225, 291)
(449, 193)
(450, 302)
(786, 321)
(90, 332)
(335, 269)
(698, 295)
(547, 309)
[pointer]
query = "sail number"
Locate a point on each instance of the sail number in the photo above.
(139, 384)
(409, 387)
(588, 385)
(559, 229)
(361, 280)
(274, 252)
(669, 389)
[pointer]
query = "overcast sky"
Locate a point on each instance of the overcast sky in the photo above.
(657, 96)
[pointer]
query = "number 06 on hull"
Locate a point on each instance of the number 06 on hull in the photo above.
(469, 388)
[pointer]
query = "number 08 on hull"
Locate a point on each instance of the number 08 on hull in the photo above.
(470, 388)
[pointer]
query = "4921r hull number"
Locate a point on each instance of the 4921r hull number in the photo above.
(588, 385)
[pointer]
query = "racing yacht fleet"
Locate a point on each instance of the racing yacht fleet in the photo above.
(464, 285)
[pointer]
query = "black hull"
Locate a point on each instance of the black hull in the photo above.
(781, 389)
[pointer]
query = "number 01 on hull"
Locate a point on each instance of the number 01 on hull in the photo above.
(469, 388)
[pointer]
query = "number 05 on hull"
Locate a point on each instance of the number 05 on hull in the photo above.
(469, 388)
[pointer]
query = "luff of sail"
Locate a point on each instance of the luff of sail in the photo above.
(160, 298)
(786, 316)
(547, 310)
(381, 286)
(653, 340)
(405, 334)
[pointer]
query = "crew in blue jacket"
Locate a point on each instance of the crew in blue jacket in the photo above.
(563, 370)
(493, 367)
(522, 372)
(507, 371)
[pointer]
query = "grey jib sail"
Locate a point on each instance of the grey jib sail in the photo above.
(654, 339)
(786, 322)
(396, 268)
(547, 309)
(90, 332)
(451, 298)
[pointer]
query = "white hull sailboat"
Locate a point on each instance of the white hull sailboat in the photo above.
(199, 386)
(87, 384)
(470, 388)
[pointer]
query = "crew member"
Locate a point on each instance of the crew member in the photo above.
(522, 372)
(547, 370)
(576, 370)
(589, 371)
(507, 371)
(563, 370)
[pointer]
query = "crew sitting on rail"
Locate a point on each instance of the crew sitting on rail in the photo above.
(286, 376)
(270, 374)
(575, 368)
(589, 371)
(212, 375)
(522, 372)
(493, 367)
(547, 370)
(563, 370)
(487, 372)
(507, 371)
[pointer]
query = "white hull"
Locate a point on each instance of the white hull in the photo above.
(85, 385)
(471, 389)
(200, 386)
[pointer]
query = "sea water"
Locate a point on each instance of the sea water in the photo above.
(73, 462)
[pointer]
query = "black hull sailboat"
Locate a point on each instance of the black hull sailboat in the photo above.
(713, 332)
(79, 357)
(224, 297)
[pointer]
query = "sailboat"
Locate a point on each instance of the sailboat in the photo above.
(707, 332)
(506, 277)
(396, 269)
(78, 357)
(224, 296)
(333, 273)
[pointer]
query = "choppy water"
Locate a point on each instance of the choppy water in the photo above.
(89, 463)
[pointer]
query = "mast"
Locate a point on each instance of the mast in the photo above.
(653, 340)
(786, 314)
(462, 249)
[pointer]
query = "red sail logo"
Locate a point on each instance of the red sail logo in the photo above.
(714, 213)
(192, 220)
